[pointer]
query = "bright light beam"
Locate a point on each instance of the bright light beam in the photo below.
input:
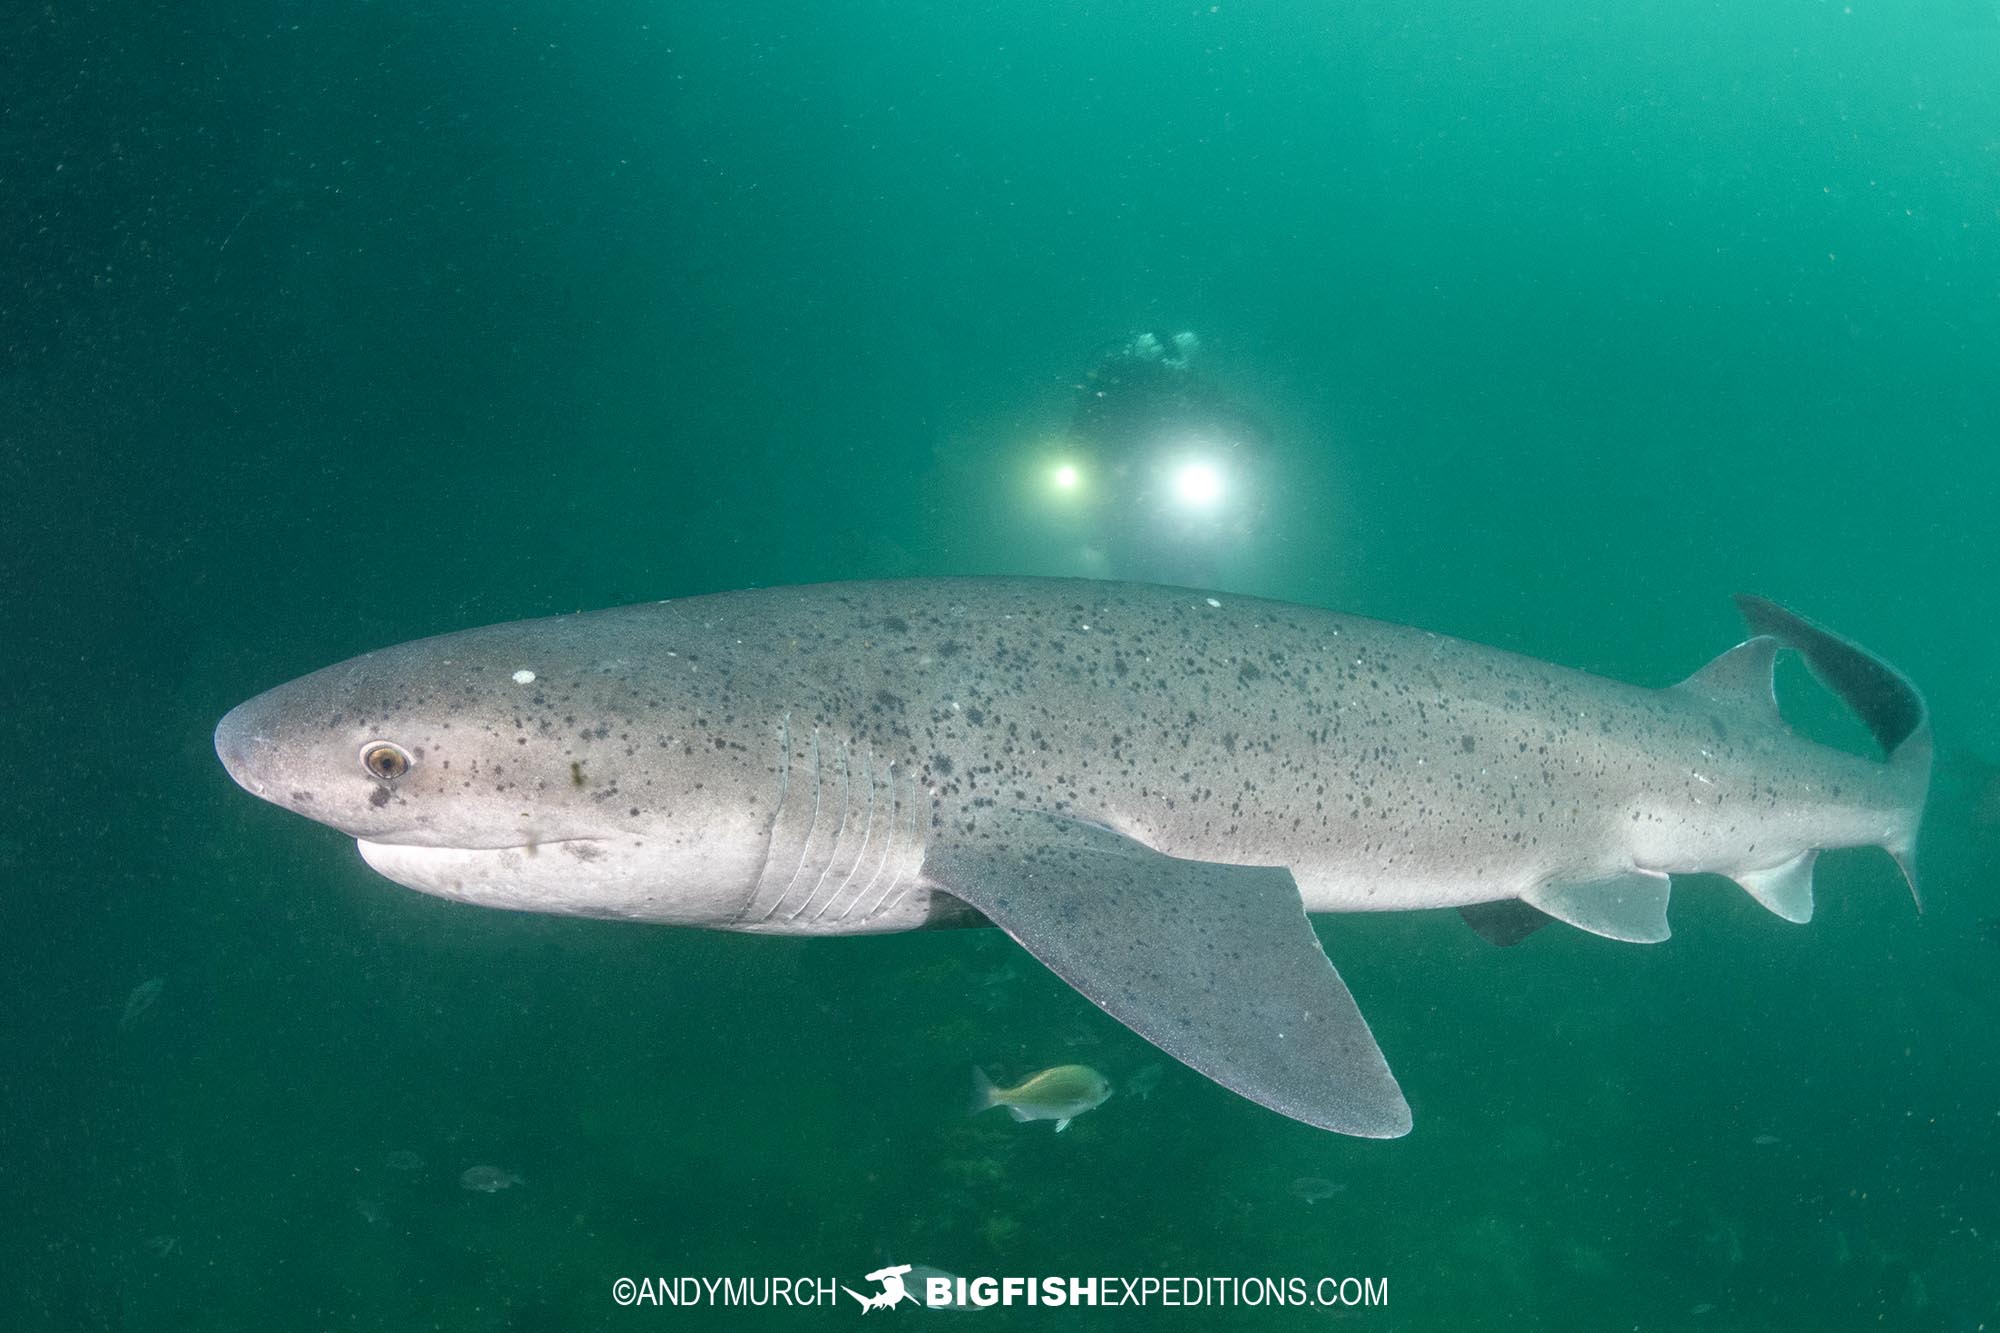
(1197, 485)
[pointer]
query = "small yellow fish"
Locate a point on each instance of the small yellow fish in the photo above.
(1060, 1094)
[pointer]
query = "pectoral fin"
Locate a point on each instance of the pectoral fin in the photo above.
(1216, 965)
(1631, 906)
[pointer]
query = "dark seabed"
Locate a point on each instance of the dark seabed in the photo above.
(328, 326)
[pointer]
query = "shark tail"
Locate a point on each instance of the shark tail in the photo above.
(1878, 694)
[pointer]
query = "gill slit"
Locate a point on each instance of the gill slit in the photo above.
(913, 852)
(812, 829)
(860, 853)
(840, 831)
(888, 849)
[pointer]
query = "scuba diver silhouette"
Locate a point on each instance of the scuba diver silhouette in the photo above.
(1174, 465)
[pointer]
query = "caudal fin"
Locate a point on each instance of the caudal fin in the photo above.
(1885, 701)
(984, 1096)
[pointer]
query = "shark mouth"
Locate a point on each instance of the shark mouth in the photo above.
(567, 876)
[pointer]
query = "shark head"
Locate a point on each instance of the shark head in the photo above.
(510, 767)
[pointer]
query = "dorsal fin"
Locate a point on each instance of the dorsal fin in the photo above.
(1740, 678)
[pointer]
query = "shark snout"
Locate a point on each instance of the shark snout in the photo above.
(243, 745)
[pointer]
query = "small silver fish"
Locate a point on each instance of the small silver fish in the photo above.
(1314, 1188)
(404, 1159)
(1060, 1094)
(489, 1179)
(143, 997)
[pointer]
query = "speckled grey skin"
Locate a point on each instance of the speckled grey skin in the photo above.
(864, 757)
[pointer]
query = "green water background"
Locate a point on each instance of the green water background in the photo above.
(327, 326)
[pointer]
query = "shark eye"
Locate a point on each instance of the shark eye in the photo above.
(385, 760)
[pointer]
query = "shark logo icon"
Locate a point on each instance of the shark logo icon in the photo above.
(893, 1291)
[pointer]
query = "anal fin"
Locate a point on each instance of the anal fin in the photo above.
(1215, 964)
(1629, 906)
(1785, 889)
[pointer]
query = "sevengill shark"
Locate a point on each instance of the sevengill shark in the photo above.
(1149, 788)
